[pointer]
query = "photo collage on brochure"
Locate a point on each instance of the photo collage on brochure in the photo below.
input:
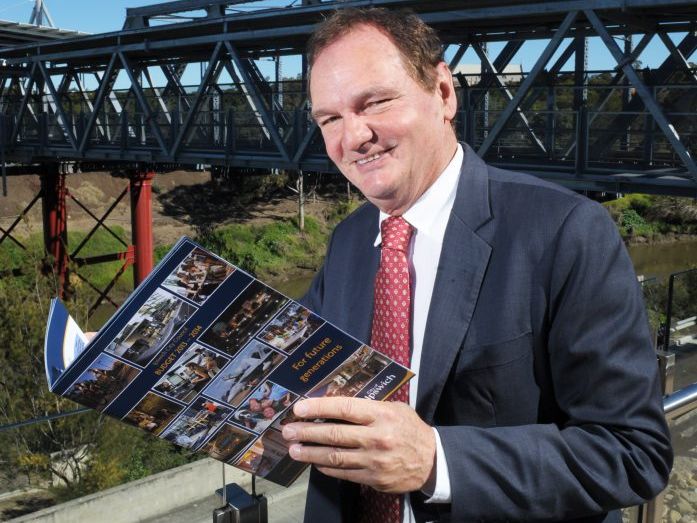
(218, 395)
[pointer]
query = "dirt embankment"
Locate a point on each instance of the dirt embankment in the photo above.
(183, 201)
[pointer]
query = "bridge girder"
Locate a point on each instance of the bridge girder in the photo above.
(239, 121)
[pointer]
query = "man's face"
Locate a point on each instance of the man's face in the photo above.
(386, 133)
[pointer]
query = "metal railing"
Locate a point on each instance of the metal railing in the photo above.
(675, 405)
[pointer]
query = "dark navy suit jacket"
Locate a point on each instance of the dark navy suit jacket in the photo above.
(537, 367)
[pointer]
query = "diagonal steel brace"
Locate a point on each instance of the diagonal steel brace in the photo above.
(660, 118)
(522, 91)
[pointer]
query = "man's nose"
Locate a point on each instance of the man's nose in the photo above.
(356, 132)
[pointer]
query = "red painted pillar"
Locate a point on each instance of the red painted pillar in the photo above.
(141, 222)
(53, 193)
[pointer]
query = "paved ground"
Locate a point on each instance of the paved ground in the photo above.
(286, 505)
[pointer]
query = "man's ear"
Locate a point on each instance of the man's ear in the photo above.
(446, 90)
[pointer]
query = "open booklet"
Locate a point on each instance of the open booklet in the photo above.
(206, 356)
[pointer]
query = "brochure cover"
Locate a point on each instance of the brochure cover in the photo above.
(206, 356)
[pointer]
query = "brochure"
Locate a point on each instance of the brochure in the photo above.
(206, 356)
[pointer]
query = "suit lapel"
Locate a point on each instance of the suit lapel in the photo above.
(463, 262)
(362, 291)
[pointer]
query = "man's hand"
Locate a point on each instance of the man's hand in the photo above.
(381, 444)
(90, 336)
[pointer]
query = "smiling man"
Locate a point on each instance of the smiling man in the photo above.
(514, 301)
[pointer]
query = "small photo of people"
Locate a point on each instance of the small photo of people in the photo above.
(256, 305)
(354, 374)
(102, 382)
(260, 410)
(191, 373)
(291, 328)
(198, 276)
(227, 442)
(196, 424)
(288, 417)
(145, 334)
(265, 454)
(153, 413)
(245, 373)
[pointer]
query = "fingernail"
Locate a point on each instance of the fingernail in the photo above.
(289, 433)
(294, 450)
(300, 409)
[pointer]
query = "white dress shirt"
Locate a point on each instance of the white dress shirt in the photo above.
(429, 216)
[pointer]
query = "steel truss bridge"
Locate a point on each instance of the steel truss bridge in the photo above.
(126, 100)
(630, 129)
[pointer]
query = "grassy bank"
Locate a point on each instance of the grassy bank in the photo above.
(647, 218)
(277, 250)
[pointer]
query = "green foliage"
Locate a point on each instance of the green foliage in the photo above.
(271, 249)
(122, 453)
(341, 210)
(685, 295)
(31, 260)
(160, 252)
(23, 393)
(101, 242)
(632, 223)
(648, 216)
(88, 452)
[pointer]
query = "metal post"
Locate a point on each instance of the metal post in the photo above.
(581, 100)
(627, 97)
(485, 107)
(141, 222)
(649, 128)
(53, 193)
(669, 312)
(666, 364)
(550, 120)
(581, 140)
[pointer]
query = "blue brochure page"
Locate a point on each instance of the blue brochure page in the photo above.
(204, 355)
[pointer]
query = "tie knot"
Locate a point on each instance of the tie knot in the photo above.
(396, 233)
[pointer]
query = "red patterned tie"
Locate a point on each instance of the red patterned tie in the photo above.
(391, 331)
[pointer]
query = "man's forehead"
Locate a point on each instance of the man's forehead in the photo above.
(357, 54)
(362, 32)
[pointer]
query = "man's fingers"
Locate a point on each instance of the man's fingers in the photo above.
(355, 475)
(334, 457)
(90, 336)
(330, 434)
(354, 410)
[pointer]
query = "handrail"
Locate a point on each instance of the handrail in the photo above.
(680, 402)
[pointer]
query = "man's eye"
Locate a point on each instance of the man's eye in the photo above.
(378, 102)
(329, 120)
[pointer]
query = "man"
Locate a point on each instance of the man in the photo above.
(536, 396)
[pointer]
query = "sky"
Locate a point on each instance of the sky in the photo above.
(99, 16)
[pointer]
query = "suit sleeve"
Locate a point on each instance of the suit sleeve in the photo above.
(613, 450)
(314, 297)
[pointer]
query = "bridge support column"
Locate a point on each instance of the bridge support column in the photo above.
(141, 222)
(53, 193)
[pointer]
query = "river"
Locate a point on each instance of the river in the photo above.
(661, 259)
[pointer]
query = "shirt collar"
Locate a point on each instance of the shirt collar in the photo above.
(429, 214)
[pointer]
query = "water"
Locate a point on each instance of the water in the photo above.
(294, 288)
(660, 260)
